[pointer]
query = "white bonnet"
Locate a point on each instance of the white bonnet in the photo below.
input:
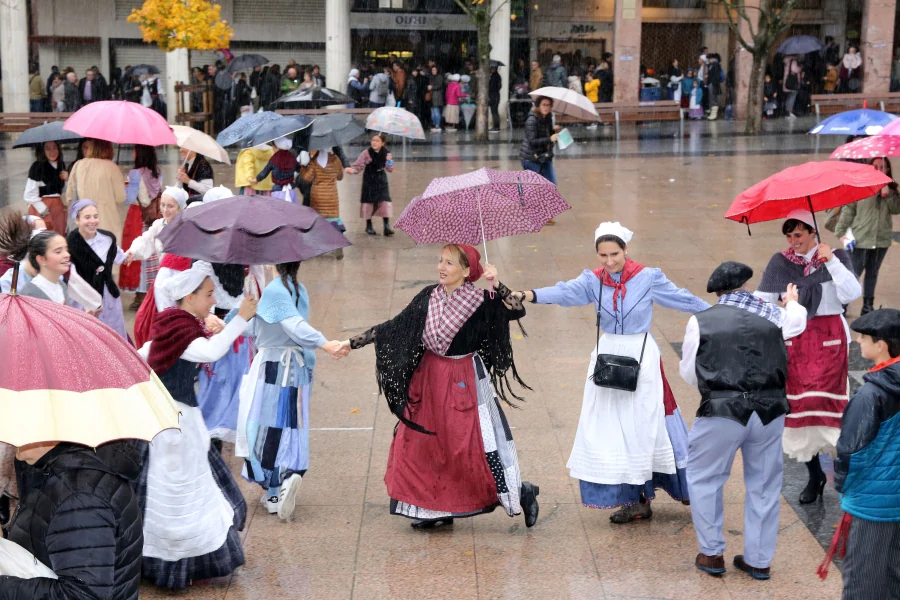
(177, 194)
(616, 229)
(284, 143)
(217, 193)
(184, 283)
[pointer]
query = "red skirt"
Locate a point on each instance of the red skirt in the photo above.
(130, 276)
(447, 471)
(57, 215)
(818, 370)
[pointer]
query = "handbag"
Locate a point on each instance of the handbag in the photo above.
(614, 371)
(151, 212)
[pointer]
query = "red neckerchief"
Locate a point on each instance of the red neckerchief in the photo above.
(630, 269)
(885, 364)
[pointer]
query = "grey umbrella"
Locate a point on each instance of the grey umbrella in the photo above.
(48, 132)
(247, 61)
(244, 128)
(273, 130)
(800, 44)
(138, 70)
(223, 80)
(315, 95)
(333, 130)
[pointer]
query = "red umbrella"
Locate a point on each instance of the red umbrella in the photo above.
(814, 186)
(121, 122)
(65, 376)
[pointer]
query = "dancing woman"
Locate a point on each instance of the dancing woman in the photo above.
(273, 423)
(143, 196)
(192, 507)
(45, 184)
(628, 443)
(442, 363)
(818, 359)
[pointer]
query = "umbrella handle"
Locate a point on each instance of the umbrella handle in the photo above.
(483, 239)
(815, 223)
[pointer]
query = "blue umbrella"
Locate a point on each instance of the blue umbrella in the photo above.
(800, 44)
(244, 128)
(273, 130)
(862, 121)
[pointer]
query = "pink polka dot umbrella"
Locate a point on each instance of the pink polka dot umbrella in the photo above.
(873, 146)
(482, 205)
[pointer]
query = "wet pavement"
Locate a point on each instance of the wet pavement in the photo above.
(672, 191)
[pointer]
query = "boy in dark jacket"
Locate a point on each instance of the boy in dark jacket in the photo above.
(78, 515)
(867, 468)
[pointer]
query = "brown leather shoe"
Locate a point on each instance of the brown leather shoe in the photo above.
(754, 572)
(714, 565)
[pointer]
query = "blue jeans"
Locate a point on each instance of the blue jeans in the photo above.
(543, 169)
(436, 117)
(37, 105)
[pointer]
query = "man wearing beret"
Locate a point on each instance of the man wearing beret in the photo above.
(867, 468)
(734, 353)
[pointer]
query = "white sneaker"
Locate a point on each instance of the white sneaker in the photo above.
(791, 116)
(435, 130)
(271, 504)
(287, 496)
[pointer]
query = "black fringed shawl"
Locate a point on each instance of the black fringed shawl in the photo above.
(46, 173)
(96, 271)
(399, 348)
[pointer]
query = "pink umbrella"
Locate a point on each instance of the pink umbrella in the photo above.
(480, 206)
(121, 122)
(873, 146)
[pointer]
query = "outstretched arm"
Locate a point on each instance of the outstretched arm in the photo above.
(580, 291)
(667, 294)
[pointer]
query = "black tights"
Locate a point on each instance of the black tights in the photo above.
(815, 469)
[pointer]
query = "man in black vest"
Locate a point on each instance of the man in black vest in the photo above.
(734, 353)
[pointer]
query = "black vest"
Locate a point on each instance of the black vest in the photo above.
(180, 380)
(741, 366)
(96, 271)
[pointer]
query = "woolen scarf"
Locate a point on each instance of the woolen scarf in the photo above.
(171, 334)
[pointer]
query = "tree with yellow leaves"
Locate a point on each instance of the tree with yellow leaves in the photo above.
(190, 24)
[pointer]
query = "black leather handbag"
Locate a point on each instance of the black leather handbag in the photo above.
(614, 371)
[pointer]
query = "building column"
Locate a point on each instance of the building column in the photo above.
(743, 66)
(627, 51)
(877, 45)
(499, 40)
(14, 53)
(835, 21)
(177, 69)
(337, 43)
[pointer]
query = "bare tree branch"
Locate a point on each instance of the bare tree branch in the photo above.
(466, 9)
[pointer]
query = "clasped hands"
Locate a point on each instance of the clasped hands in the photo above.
(336, 349)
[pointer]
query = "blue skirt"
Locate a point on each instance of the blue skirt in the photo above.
(219, 391)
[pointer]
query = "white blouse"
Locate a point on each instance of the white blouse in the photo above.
(147, 244)
(53, 290)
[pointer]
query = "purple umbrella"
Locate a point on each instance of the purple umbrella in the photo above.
(480, 206)
(251, 230)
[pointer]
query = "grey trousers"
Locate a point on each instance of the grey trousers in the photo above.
(712, 444)
(872, 565)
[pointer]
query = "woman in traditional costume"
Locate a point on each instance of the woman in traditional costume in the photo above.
(195, 175)
(273, 426)
(322, 170)
(442, 363)
(94, 253)
(628, 444)
(375, 163)
(192, 506)
(142, 196)
(44, 187)
(818, 359)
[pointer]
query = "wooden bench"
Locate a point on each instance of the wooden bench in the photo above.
(19, 122)
(659, 110)
(832, 104)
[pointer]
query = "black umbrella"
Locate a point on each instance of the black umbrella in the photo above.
(247, 61)
(48, 132)
(497, 63)
(138, 70)
(279, 128)
(314, 95)
(223, 80)
(334, 130)
(800, 44)
(244, 128)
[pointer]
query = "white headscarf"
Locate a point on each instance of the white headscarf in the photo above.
(217, 193)
(616, 229)
(177, 194)
(283, 143)
(185, 283)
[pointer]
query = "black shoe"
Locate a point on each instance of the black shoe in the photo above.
(388, 232)
(4, 510)
(812, 492)
(529, 502)
(370, 230)
(868, 306)
(432, 524)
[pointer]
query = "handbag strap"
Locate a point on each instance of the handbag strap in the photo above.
(599, 312)
(644, 345)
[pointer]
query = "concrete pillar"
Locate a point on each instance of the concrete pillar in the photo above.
(105, 58)
(627, 51)
(14, 52)
(743, 65)
(532, 36)
(177, 69)
(499, 40)
(715, 37)
(877, 45)
(337, 43)
(835, 21)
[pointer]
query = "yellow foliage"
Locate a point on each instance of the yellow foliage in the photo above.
(174, 24)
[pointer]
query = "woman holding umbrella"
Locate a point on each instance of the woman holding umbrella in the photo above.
(442, 364)
(44, 186)
(628, 442)
(540, 135)
(195, 175)
(817, 384)
(97, 177)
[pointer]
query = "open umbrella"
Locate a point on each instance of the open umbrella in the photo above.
(815, 186)
(247, 61)
(316, 96)
(482, 205)
(121, 122)
(870, 147)
(223, 80)
(138, 70)
(48, 132)
(251, 230)
(68, 377)
(244, 128)
(497, 63)
(568, 102)
(395, 121)
(333, 130)
(279, 128)
(197, 141)
(800, 44)
(862, 121)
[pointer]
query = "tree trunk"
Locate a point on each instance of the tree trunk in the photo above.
(484, 73)
(755, 94)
